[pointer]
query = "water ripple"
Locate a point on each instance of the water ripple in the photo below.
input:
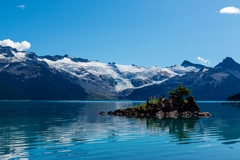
(76, 130)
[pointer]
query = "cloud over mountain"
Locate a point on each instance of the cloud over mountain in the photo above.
(203, 61)
(19, 46)
(230, 10)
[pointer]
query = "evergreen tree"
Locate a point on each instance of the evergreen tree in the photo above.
(180, 92)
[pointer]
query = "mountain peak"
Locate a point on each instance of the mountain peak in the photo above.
(228, 63)
(228, 59)
(187, 64)
(8, 48)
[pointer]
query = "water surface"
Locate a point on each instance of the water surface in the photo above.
(75, 130)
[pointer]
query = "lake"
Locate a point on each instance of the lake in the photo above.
(75, 130)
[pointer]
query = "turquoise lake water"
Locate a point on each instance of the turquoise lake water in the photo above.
(75, 130)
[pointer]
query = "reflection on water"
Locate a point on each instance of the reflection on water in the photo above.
(75, 130)
(180, 128)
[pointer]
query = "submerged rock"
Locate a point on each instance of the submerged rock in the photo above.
(102, 113)
(110, 112)
(204, 114)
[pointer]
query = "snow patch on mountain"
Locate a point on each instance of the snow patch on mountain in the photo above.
(122, 74)
(15, 56)
(150, 84)
(2, 56)
(19, 55)
(205, 69)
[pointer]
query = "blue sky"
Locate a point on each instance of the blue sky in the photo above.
(141, 32)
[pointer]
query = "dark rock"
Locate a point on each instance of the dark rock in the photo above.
(159, 106)
(120, 110)
(191, 105)
(167, 106)
(136, 113)
(160, 114)
(195, 113)
(110, 112)
(167, 115)
(102, 113)
(186, 114)
(173, 114)
(172, 107)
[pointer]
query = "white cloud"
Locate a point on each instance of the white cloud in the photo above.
(21, 6)
(203, 61)
(230, 10)
(19, 46)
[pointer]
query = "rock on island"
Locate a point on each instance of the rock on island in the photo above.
(173, 107)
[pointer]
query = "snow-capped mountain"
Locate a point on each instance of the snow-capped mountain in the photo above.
(105, 77)
(210, 84)
(122, 76)
(95, 76)
(24, 75)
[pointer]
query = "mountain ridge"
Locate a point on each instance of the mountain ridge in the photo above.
(188, 63)
(96, 80)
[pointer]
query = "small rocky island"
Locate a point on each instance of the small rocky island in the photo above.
(161, 107)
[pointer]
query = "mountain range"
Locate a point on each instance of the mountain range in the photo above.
(26, 76)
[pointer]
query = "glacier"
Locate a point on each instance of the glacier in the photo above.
(122, 74)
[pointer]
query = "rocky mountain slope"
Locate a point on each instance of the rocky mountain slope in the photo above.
(207, 84)
(24, 75)
(96, 78)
